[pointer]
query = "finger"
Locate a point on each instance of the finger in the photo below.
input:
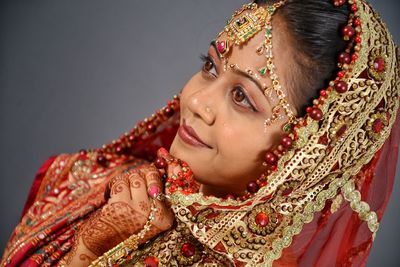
(154, 188)
(173, 163)
(163, 153)
(177, 171)
(138, 191)
(153, 181)
(119, 187)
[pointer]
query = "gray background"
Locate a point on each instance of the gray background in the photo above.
(77, 74)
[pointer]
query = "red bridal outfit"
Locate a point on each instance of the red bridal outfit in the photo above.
(319, 205)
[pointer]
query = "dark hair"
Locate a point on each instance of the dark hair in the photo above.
(314, 26)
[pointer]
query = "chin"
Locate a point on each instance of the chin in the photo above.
(173, 150)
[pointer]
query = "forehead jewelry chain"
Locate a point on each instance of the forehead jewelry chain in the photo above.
(242, 27)
(270, 68)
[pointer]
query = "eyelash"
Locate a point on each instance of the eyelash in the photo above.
(207, 59)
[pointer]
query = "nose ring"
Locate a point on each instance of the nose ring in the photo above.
(208, 109)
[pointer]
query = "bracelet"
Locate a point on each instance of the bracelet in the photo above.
(123, 249)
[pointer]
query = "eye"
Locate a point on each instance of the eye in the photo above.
(208, 65)
(240, 98)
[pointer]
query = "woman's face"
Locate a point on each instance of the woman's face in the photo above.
(226, 110)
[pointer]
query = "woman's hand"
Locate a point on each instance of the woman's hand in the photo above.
(131, 195)
(179, 175)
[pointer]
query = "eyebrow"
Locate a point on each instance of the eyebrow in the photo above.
(240, 72)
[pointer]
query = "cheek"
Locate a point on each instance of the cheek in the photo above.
(241, 145)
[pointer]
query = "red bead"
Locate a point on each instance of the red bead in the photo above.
(262, 219)
(286, 142)
(271, 158)
(82, 152)
(101, 159)
(151, 127)
(357, 21)
(160, 163)
(172, 188)
(274, 168)
(344, 58)
(339, 3)
(358, 39)
(179, 182)
(348, 31)
(188, 250)
(168, 111)
(316, 114)
(132, 138)
(252, 187)
(341, 87)
(150, 261)
(354, 7)
(309, 109)
(323, 93)
(354, 57)
(340, 74)
(377, 126)
(119, 150)
(379, 64)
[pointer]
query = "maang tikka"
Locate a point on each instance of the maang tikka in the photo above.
(239, 30)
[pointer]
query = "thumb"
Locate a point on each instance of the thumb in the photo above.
(163, 153)
(173, 164)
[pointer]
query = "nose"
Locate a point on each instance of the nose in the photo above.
(201, 104)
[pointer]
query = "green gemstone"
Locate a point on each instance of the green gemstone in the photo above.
(287, 128)
(271, 10)
(263, 71)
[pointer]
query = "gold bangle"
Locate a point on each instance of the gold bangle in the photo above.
(123, 249)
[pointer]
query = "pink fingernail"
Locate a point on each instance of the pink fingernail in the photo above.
(163, 151)
(154, 191)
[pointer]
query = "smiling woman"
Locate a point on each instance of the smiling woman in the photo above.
(281, 150)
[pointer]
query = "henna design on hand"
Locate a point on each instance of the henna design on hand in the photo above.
(136, 181)
(117, 184)
(86, 258)
(116, 222)
(144, 206)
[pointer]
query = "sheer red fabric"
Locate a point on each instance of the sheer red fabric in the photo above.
(342, 238)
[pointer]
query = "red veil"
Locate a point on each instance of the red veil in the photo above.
(342, 238)
(331, 239)
(69, 187)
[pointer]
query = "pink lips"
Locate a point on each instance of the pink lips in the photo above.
(189, 136)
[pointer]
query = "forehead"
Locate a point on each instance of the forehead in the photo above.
(246, 55)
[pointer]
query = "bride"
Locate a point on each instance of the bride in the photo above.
(278, 151)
